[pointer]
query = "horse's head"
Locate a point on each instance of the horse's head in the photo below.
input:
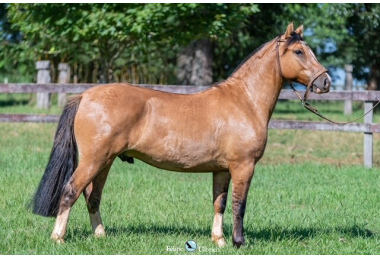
(298, 63)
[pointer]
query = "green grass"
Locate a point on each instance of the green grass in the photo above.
(293, 110)
(298, 203)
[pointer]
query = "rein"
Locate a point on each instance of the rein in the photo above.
(315, 111)
(308, 88)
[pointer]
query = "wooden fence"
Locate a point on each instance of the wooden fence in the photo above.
(368, 97)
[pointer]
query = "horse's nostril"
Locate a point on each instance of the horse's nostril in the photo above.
(326, 84)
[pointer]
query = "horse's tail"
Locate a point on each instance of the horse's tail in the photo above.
(62, 163)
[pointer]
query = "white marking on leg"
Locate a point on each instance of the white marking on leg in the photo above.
(217, 230)
(60, 226)
(97, 225)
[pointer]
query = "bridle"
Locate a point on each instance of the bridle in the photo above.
(308, 90)
(313, 78)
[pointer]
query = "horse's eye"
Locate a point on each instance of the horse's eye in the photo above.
(298, 52)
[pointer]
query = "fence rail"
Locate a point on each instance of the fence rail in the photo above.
(368, 128)
(79, 88)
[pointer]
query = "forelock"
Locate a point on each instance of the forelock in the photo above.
(294, 38)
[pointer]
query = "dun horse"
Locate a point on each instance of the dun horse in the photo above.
(221, 130)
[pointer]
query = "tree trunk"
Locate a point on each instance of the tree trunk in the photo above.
(103, 75)
(374, 78)
(194, 64)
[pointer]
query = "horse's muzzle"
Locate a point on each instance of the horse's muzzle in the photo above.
(321, 84)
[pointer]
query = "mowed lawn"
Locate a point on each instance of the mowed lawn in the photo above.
(310, 195)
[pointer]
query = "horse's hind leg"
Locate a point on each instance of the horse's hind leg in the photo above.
(93, 194)
(80, 179)
(221, 181)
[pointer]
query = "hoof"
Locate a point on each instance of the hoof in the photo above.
(219, 241)
(100, 232)
(57, 239)
(238, 242)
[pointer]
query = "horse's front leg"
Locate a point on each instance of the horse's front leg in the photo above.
(221, 181)
(241, 180)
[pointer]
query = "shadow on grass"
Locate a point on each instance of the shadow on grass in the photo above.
(162, 230)
(112, 231)
(266, 234)
(280, 233)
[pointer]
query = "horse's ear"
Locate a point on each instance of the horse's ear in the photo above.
(289, 30)
(299, 30)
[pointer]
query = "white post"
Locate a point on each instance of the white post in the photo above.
(43, 77)
(368, 137)
(63, 78)
(348, 87)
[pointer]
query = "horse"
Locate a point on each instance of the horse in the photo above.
(222, 130)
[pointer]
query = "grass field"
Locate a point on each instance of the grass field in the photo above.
(310, 195)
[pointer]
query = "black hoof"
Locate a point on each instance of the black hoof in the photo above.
(238, 242)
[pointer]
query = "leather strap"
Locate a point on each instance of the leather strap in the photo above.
(315, 111)
(308, 88)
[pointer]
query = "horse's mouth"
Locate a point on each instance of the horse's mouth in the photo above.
(321, 85)
(316, 90)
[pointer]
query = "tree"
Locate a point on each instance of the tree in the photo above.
(149, 43)
(117, 33)
(194, 29)
(363, 26)
(68, 30)
(14, 64)
(210, 24)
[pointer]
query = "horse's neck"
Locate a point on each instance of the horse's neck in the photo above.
(258, 81)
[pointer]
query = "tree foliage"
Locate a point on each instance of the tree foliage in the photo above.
(345, 34)
(139, 42)
(80, 33)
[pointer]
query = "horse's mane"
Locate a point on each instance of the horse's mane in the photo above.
(294, 37)
(249, 57)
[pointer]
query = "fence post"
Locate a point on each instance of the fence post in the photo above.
(368, 136)
(348, 87)
(63, 78)
(43, 77)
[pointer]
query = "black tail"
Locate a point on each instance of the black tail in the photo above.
(62, 163)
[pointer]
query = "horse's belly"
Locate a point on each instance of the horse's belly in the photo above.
(182, 162)
(187, 140)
